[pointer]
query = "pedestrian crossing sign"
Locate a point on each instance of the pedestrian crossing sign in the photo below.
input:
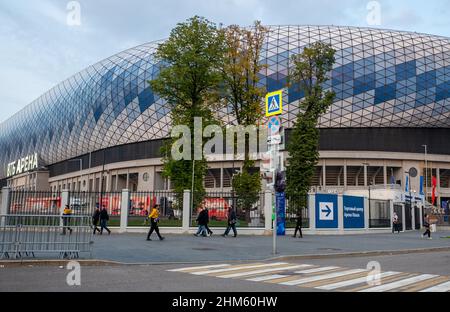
(274, 103)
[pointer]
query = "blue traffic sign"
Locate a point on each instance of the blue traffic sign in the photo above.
(274, 103)
(326, 211)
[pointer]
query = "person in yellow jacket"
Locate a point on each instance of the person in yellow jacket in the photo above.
(66, 219)
(154, 219)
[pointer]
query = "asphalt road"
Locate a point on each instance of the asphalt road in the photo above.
(155, 278)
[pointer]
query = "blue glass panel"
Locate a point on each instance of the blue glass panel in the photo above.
(146, 99)
(405, 70)
(443, 91)
(426, 80)
(364, 84)
(385, 93)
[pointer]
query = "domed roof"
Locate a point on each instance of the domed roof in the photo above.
(382, 78)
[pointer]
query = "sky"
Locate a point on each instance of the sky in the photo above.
(44, 42)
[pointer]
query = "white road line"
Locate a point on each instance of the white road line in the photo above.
(238, 268)
(401, 283)
(317, 270)
(305, 280)
(200, 267)
(293, 267)
(353, 281)
(266, 278)
(438, 288)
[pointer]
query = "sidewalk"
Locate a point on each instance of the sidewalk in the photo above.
(133, 248)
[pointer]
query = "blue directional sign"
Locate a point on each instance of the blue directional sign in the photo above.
(326, 211)
(274, 103)
(274, 125)
(353, 212)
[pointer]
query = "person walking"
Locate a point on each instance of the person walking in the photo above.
(66, 219)
(209, 232)
(104, 218)
(96, 219)
(202, 221)
(395, 224)
(231, 222)
(298, 226)
(154, 219)
(427, 226)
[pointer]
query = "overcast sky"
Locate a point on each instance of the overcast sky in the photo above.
(39, 48)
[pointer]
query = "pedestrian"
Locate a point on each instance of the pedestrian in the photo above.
(209, 232)
(427, 225)
(395, 223)
(154, 219)
(96, 219)
(145, 213)
(231, 222)
(104, 218)
(202, 221)
(67, 213)
(170, 210)
(298, 226)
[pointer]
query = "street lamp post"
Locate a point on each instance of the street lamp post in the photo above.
(426, 172)
(368, 184)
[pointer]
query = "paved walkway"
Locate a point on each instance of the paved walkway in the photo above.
(133, 248)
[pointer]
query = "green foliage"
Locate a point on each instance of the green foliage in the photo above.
(247, 186)
(189, 80)
(311, 69)
(243, 94)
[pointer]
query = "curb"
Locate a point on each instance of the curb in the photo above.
(360, 254)
(94, 262)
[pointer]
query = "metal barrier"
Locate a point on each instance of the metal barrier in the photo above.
(24, 235)
(141, 204)
(218, 204)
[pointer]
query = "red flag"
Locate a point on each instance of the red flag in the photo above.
(433, 194)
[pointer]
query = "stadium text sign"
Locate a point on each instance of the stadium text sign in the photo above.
(22, 165)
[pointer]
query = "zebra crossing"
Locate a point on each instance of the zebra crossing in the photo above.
(326, 278)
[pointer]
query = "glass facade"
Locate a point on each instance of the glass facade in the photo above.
(382, 78)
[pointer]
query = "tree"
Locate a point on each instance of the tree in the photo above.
(189, 81)
(311, 69)
(243, 93)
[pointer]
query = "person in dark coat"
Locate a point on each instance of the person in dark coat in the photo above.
(95, 220)
(232, 220)
(202, 221)
(298, 225)
(104, 218)
(210, 233)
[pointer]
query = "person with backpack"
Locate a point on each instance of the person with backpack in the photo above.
(154, 219)
(104, 218)
(66, 219)
(95, 220)
(232, 220)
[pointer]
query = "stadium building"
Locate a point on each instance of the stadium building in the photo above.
(388, 129)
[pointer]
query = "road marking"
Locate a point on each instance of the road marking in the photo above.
(445, 287)
(200, 267)
(321, 277)
(238, 268)
(353, 281)
(400, 283)
(317, 270)
(265, 278)
(263, 271)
